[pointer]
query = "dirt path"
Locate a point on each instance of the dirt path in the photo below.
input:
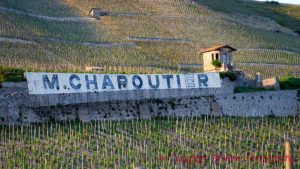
(50, 18)
(267, 64)
(289, 51)
(35, 40)
(15, 40)
(91, 44)
(155, 39)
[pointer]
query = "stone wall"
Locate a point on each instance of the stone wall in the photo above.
(17, 107)
(271, 103)
(190, 106)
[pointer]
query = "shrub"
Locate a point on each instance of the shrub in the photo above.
(251, 89)
(231, 75)
(2, 77)
(272, 2)
(11, 75)
(289, 83)
(216, 63)
(15, 78)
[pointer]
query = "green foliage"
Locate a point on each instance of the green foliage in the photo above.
(216, 63)
(272, 2)
(2, 76)
(11, 75)
(250, 89)
(289, 83)
(231, 75)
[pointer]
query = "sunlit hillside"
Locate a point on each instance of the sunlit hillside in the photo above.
(60, 35)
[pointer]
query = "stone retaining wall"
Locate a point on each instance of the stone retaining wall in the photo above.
(17, 107)
(190, 106)
(271, 103)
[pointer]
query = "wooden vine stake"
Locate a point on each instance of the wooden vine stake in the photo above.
(289, 158)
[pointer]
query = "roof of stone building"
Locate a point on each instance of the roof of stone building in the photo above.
(94, 9)
(218, 47)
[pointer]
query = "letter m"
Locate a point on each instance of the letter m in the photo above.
(53, 84)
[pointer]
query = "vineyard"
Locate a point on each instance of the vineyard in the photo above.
(61, 36)
(65, 46)
(217, 142)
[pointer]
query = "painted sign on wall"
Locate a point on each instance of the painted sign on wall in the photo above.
(57, 83)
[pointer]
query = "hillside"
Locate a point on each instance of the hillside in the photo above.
(59, 35)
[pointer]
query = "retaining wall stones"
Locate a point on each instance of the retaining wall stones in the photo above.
(17, 107)
(182, 107)
(271, 103)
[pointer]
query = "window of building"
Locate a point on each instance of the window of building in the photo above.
(217, 56)
(212, 56)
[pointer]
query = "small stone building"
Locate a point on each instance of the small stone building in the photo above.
(93, 69)
(271, 83)
(95, 12)
(223, 53)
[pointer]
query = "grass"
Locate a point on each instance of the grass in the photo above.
(250, 89)
(126, 144)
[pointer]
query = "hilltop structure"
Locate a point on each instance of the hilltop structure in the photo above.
(217, 58)
(95, 12)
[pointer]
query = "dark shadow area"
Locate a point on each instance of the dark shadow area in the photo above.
(42, 54)
(273, 11)
(18, 25)
(41, 7)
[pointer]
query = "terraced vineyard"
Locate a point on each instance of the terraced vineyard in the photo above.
(205, 142)
(56, 45)
(60, 36)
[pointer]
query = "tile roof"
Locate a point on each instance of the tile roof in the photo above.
(216, 48)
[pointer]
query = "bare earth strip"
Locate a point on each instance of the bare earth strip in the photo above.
(198, 18)
(119, 14)
(15, 40)
(155, 39)
(59, 19)
(267, 64)
(90, 44)
(289, 51)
